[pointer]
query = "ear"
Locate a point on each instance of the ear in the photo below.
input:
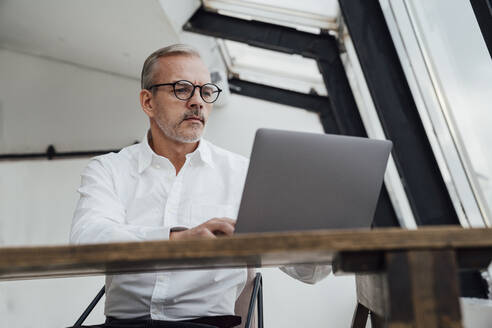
(146, 102)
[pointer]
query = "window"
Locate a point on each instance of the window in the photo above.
(292, 72)
(308, 15)
(449, 70)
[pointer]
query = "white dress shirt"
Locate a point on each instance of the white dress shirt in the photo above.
(135, 195)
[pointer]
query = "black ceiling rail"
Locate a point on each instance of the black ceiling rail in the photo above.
(261, 34)
(483, 13)
(341, 117)
(310, 102)
(51, 154)
(422, 179)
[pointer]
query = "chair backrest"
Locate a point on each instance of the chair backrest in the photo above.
(244, 303)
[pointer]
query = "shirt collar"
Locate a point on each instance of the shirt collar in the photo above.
(146, 154)
(205, 153)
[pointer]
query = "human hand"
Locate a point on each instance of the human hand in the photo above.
(210, 229)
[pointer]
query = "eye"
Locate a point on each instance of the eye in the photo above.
(209, 90)
(183, 88)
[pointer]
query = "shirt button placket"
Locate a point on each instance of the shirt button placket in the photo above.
(172, 210)
(159, 296)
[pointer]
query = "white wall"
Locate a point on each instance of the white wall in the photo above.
(37, 198)
(48, 102)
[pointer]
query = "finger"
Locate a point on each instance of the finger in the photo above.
(222, 226)
(206, 233)
(228, 220)
(200, 232)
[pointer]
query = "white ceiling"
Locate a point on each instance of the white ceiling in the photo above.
(111, 35)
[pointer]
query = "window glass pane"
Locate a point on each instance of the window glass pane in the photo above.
(309, 15)
(326, 8)
(291, 72)
(462, 70)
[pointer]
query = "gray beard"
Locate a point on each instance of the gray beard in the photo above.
(171, 134)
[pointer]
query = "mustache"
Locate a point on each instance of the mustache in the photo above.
(194, 113)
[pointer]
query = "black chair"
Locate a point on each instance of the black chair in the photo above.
(256, 295)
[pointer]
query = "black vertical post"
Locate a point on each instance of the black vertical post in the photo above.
(422, 179)
(483, 13)
(349, 122)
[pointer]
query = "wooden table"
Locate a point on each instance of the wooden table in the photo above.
(405, 278)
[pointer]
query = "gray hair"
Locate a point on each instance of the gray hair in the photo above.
(148, 69)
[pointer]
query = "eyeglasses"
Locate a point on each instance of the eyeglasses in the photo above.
(184, 90)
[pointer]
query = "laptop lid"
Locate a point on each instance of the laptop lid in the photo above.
(306, 181)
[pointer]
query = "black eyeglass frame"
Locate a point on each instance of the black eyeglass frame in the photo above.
(219, 90)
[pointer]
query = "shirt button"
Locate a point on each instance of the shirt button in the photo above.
(157, 166)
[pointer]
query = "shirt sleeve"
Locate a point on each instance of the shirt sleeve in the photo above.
(100, 214)
(308, 273)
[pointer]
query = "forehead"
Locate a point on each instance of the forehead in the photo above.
(182, 67)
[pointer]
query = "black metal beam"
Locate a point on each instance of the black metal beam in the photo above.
(313, 103)
(397, 112)
(483, 12)
(260, 34)
(349, 122)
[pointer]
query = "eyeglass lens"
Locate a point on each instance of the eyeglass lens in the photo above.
(184, 89)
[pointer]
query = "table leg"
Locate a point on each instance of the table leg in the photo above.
(360, 316)
(418, 289)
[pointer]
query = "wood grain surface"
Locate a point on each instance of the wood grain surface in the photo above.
(268, 249)
(418, 289)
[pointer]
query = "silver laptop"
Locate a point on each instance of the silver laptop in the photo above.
(306, 181)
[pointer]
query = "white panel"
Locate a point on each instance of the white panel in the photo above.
(49, 303)
(477, 313)
(37, 200)
(47, 102)
(289, 303)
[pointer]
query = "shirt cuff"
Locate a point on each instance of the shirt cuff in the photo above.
(179, 228)
(307, 273)
(153, 233)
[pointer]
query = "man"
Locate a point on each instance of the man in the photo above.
(173, 185)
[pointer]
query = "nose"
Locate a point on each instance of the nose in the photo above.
(196, 101)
